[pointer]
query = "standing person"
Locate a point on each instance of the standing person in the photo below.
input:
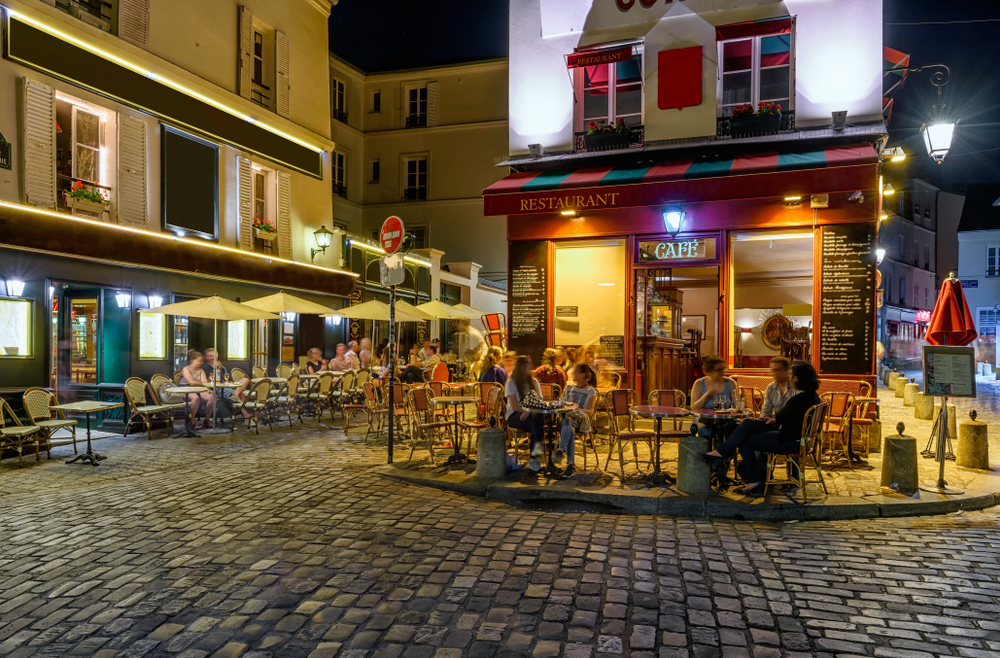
(549, 372)
(211, 363)
(781, 435)
(583, 392)
(706, 388)
(467, 342)
(491, 371)
(517, 387)
(365, 355)
(315, 363)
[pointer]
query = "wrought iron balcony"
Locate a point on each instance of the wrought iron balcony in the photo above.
(416, 120)
(787, 124)
(415, 194)
(340, 190)
(340, 116)
(635, 137)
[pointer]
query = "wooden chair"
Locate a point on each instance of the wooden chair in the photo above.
(810, 446)
(14, 435)
(288, 398)
(284, 371)
(838, 423)
(135, 396)
(36, 402)
(258, 372)
(258, 404)
(489, 404)
(238, 374)
(423, 424)
(753, 399)
(375, 411)
(619, 403)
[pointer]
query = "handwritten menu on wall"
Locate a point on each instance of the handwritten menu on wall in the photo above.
(528, 298)
(846, 319)
(613, 350)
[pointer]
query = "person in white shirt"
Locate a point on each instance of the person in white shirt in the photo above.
(522, 382)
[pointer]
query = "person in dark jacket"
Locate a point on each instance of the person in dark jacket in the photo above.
(780, 436)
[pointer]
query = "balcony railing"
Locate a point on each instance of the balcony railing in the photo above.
(91, 12)
(416, 120)
(636, 137)
(787, 124)
(415, 194)
(992, 272)
(340, 116)
(258, 96)
(340, 189)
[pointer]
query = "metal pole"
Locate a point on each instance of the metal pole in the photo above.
(942, 434)
(392, 364)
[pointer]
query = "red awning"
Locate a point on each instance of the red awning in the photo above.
(835, 169)
(753, 29)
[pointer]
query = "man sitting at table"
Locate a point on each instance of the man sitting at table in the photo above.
(422, 353)
(414, 373)
(341, 361)
(212, 363)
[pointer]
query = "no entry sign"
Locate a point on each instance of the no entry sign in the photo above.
(391, 235)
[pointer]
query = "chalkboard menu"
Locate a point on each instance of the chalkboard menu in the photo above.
(528, 298)
(613, 350)
(846, 318)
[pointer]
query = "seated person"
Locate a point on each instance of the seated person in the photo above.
(193, 374)
(491, 370)
(365, 355)
(352, 355)
(414, 372)
(583, 393)
(517, 387)
(340, 362)
(549, 372)
(781, 435)
(314, 365)
(509, 357)
(212, 363)
(422, 352)
(705, 390)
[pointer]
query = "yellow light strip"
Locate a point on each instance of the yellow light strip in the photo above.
(379, 250)
(132, 66)
(166, 236)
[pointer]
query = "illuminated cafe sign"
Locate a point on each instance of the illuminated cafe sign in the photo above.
(677, 249)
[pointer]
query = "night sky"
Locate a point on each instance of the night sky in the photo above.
(385, 35)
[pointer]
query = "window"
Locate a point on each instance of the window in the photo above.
(888, 288)
(927, 298)
(85, 154)
(15, 327)
(258, 57)
(152, 336)
(611, 92)
(591, 276)
(377, 101)
(340, 174)
(902, 291)
(756, 70)
(260, 194)
(927, 257)
(260, 91)
(916, 294)
(916, 251)
(988, 321)
(236, 343)
(339, 101)
(993, 261)
(902, 248)
(374, 171)
(415, 178)
(416, 107)
(420, 237)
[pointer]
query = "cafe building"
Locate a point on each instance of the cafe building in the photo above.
(655, 217)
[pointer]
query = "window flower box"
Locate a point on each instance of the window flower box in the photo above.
(86, 207)
(754, 125)
(262, 234)
(606, 141)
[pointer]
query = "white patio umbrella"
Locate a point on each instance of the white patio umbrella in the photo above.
(282, 302)
(468, 311)
(440, 311)
(214, 308)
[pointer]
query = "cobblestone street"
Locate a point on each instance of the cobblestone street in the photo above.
(287, 545)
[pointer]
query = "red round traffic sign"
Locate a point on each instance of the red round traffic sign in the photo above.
(391, 235)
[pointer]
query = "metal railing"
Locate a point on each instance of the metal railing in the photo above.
(415, 194)
(340, 189)
(340, 115)
(636, 137)
(416, 120)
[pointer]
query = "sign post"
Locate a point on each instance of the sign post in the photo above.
(391, 238)
(948, 371)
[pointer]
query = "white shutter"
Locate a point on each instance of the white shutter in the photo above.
(245, 72)
(245, 195)
(432, 103)
(131, 190)
(39, 144)
(284, 215)
(133, 21)
(281, 81)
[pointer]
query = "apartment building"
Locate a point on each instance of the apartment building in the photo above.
(979, 264)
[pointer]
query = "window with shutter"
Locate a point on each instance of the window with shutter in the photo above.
(246, 204)
(133, 21)
(246, 36)
(284, 215)
(993, 261)
(132, 207)
(432, 103)
(416, 107)
(39, 144)
(377, 101)
(340, 174)
(755, 65)
(339, 100)
(281, 82)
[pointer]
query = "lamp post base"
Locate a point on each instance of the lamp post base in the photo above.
(940, 487)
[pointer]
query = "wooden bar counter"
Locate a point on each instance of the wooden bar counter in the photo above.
(665, 364)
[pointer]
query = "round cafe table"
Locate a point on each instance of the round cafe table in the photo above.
(719, 477)
(658, 412)
(551, 424)
(188, 432)
(455, 400)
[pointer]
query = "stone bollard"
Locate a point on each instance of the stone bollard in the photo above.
(692, 471)
(491, 454)
(997, 371)
(973, 444)
(890, 380)
(952, 421)
(900, 386)
(910, 394)
(875, 436)
(924, 407)
(899, 464)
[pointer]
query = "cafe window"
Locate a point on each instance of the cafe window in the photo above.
(590, 294)
(755, 70)
(610, 92)
(15, 327)
(772, 295)
(83, 321)
(236, 343)
(152, 336)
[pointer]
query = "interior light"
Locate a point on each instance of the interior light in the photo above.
(568, 213)
(793, 199)
(673, 216)
(889, 190)
(883, 217)
(335, 320)
(898, 154)
(605, 284)
(15, 287)
(123, 298)
(880, 254)
(155, 301)
(937, 139)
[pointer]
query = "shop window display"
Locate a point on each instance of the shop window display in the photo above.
(590, 296)
(15, 327)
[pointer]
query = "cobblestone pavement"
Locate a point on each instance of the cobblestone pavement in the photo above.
(287, 545)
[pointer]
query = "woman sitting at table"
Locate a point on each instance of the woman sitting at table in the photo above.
(706, 390)
(194, 375)
(582, 392)
(548, 372)
(781, 437)
(517, 387)
(315, 363)
(562, 361)
(491, 370)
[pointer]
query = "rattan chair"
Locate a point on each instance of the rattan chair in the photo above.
(177, 377)
(288, 399)
(258, 404)
(489, 405)
(258, 372)
(809, 449)
(318, 397)
(283, 371)
(14, 435)
(135, 396)
(376, 412)
(619, 403)
(753, 399)
(36, 402)
(837, 427)
(238, 374)
(423, 423)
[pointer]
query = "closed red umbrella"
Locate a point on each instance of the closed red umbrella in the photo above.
(951, 322)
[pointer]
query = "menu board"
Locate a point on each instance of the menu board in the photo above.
(613, 350)
(528, 297)
(846, 318)
(949, 371)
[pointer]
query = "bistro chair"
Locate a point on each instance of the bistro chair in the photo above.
(619, 403)
(550, 391)
(14, 435)
(837, 428)
(257, 405)
(177, 376)
(36, 402)
(753, 400)
(157, 382)
(401, 412)
(375, 411)
(238, 374)
(810, 446)
(284, 371)
(288, 399)
(490, 399)
(318, 397)
(671, 397)
(422, 420)
(258, 372)
(135, 396)
(360, 378)
(343, 392)
(440, 373)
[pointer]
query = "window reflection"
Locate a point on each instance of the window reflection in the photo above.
(83, 340)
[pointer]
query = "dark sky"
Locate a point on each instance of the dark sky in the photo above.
(384, 35)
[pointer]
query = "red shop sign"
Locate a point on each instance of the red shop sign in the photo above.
(595, 58)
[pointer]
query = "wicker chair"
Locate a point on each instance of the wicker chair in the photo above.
(36, 403)
(258, 404)
(318, 397)
(422, 420)
(671, 397)
(375, 411)
(288, 398)
(258, 372)
(490, 404)
(14, 435)
(619, 404)
(837, 427)
(177, 377)
(809, 449)
(343, 392)
(135, 396)
(401, 412)
(238, 374)
(284, 371)
(753, 399)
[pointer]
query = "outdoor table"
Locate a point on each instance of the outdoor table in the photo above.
(274, 380)
(550, 420)
(454, 401)
(188, 432)
(88, 407)
(719, 475)
(659, 413)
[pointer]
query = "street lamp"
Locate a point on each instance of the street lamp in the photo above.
(672, 218)
(880, 254)
(938, 130)
(323, 238)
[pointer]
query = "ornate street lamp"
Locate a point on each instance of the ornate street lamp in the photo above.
(323, 238)
(939, 129)
(673, 216)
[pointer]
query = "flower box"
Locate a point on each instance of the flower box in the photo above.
(85, 207)
(606, 141)
(267, 236)
(754, 125)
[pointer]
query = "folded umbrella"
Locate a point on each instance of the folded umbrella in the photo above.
(952, 322)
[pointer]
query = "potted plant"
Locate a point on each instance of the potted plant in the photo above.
(264, 229)
(747, 123)
(604, 137)
(86, 200)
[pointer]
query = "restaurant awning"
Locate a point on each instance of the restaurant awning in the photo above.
(755, 175)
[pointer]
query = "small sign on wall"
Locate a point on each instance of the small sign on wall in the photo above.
(5, 153)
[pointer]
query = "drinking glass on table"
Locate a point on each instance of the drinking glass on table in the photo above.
(226, 376)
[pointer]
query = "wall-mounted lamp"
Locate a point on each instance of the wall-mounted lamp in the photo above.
(888, 190)
(289, 316)
(569, 213)
(323, 239)
(673, 217)
(155, 300)
(939, 129)
(794, 200)
(15, 287)
(895, 154)
(123, 298)
(880, 254)
(335, 320)
(839, 118)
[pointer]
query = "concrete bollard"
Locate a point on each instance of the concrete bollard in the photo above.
(491, 454)
(875, 436)
(910, 394)
(952, 420)
(997, 371)
(900, 386)
(973, 444)
(692, 472)
(890, 380)
(924, 407)
(899, 463)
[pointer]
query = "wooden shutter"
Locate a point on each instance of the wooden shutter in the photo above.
(39, 144)
(284, 215)
(245, 73)
(132, 172)
(432, 103)
(245, 196)
(133, 21)
(281, 81)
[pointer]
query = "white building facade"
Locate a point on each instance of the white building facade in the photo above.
(979, 263)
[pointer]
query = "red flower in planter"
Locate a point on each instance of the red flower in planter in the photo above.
(744, 110)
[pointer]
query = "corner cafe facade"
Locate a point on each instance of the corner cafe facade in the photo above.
(777, 242)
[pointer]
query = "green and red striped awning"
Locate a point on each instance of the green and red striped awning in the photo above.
(837, 168)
